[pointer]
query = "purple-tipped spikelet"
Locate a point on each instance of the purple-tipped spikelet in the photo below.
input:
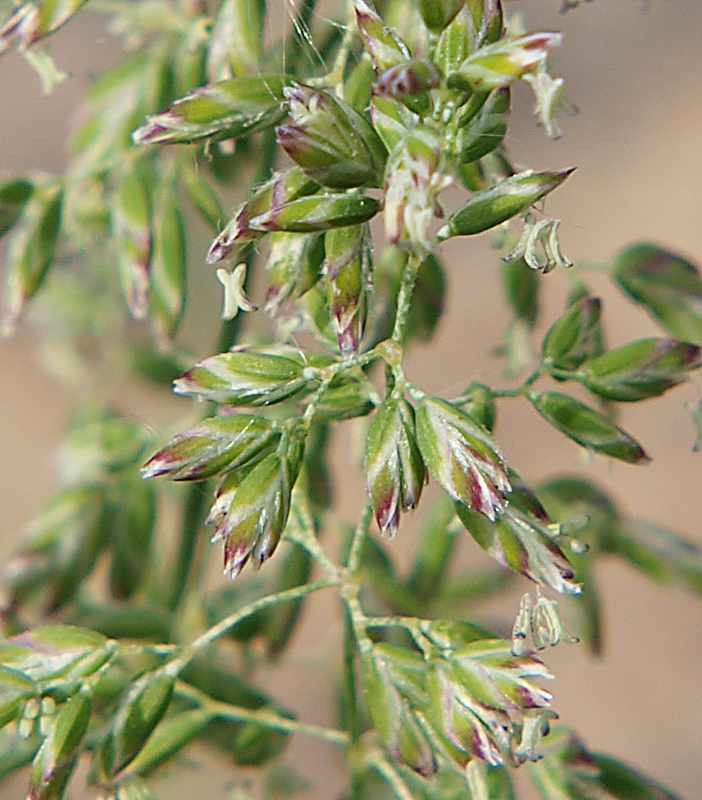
(223, 110)
(250, 514)
(395, 472)
(347, 276)
(30, 22)
(461, 455)
(244, 377)
(497, 65)
(215, 445)
(271, 195)
(330, 140)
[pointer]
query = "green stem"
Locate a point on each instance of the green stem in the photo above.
(391, 777)
(351, 691)
(224, 626)
(413, 625)
(350, 594)
(301, 531)
(351, 588)
(311, 409)
(518, 391)
(336, 76)
(535, 375)
(263, 717)
(353, 633)
(564, 374)
(350, 676)
(404, 298)
(354, 362)
(358, 540)
(392, 622)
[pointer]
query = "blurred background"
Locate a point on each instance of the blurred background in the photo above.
(633, 70)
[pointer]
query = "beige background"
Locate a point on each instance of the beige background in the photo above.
(633, 69)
